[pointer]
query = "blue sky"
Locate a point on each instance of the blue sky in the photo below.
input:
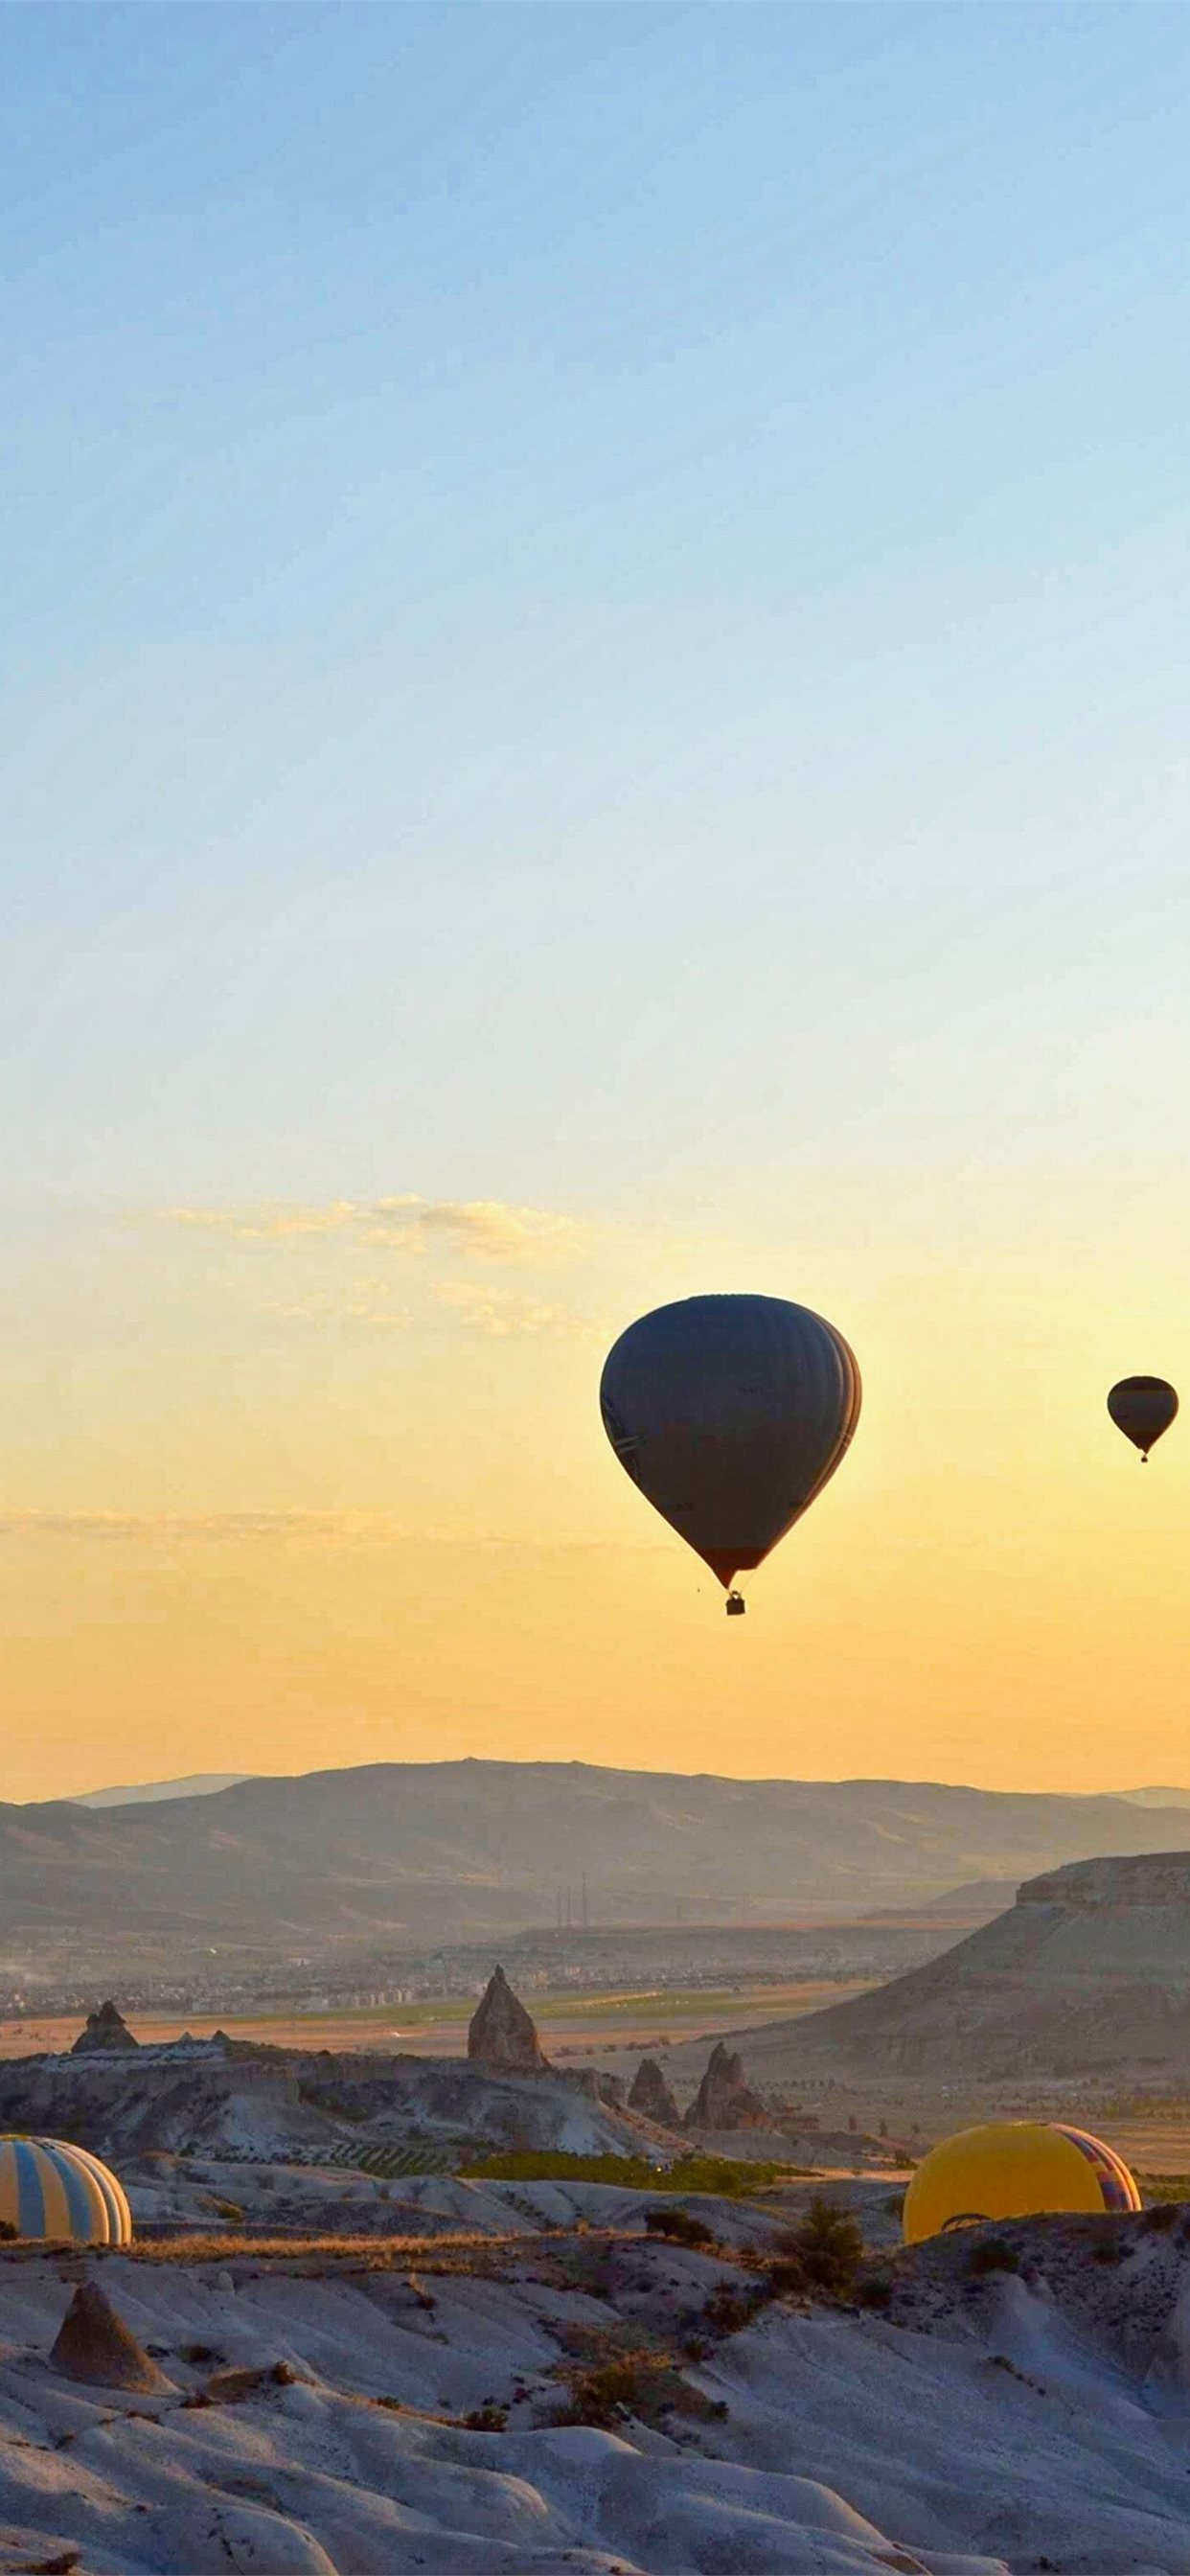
(585, 560)
(594, 606)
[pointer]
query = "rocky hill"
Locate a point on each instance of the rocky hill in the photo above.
(228, 2098)
(403, 1853)
(1087, 1975)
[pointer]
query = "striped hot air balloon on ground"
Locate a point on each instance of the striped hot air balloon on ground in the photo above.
(51, 2188)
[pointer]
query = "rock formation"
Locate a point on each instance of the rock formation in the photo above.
(1087, 1975)
(106, 2029)
(502, 2035)
(724, 2100)
(95, 2345)
(651, 2096)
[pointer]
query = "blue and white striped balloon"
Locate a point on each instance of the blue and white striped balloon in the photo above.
(51, 2188)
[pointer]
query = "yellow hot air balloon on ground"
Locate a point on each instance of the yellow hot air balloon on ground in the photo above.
(1014, 2169)
(51, 2188)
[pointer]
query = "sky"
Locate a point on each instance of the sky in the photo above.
(595, 608)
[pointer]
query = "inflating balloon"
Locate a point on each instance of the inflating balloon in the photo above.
(49, 2187)
(1142, 1408)
(730, 1413)
(1013, 2169)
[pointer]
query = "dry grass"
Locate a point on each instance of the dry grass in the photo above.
(565, 2252)
(447, 2253)
(569, 2259)
(361, 2253)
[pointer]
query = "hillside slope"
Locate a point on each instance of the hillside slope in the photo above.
(408, 1852)
(436, 2404)
(1087, 1975)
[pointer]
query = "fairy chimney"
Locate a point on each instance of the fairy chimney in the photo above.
(651, 2096)
(96, 2346)
(724, 2100)
(502, 2035)
(105, 2029)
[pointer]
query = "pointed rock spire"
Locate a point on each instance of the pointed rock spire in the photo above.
(502, 2034)
(106, 2029)
(651, 2095)
(724, 2100)
(95, 2345)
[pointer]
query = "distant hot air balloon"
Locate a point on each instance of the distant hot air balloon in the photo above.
(1013, 2169)
(1142, 1408)
(49, 2187)
(730, 1413)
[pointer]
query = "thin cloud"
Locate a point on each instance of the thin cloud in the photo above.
(486, 1227)
(327, 1530)
(173, 1525)
(366, 1302)
(499, 1314)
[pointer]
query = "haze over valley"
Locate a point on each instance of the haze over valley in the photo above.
(338, 1867)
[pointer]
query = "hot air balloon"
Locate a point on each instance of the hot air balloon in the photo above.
(730, 1413)
(1142, 1408)
(49, 2187)
(1013, 2169)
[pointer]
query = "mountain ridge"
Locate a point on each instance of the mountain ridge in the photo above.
(396, 1854)
(140, 1793)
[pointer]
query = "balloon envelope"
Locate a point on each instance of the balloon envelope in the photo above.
(1013, 2169)
(49, 2187)
(1142, 1408)
(730, 1413)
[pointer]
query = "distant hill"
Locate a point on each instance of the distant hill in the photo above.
(200, 1784)
(402, 1854)
(1157, 1797)
(963, 1906)
(1087, 1975)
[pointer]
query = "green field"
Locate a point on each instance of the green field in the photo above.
(722, 2175)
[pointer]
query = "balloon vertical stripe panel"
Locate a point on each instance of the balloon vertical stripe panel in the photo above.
(54, 2190)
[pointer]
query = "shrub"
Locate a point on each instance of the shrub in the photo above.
(823, 2254)
(875, 2292)
(728, 2310)
(611, 2390)
(9, 2235)
(1161, 2215)
(992, 2254)
(488, 2418)
(679, 2225)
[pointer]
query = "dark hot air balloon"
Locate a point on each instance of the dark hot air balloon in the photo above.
(730, 1413)
(1142, 1408)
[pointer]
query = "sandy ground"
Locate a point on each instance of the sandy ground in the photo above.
(587, 2026)
(1031, 2420)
